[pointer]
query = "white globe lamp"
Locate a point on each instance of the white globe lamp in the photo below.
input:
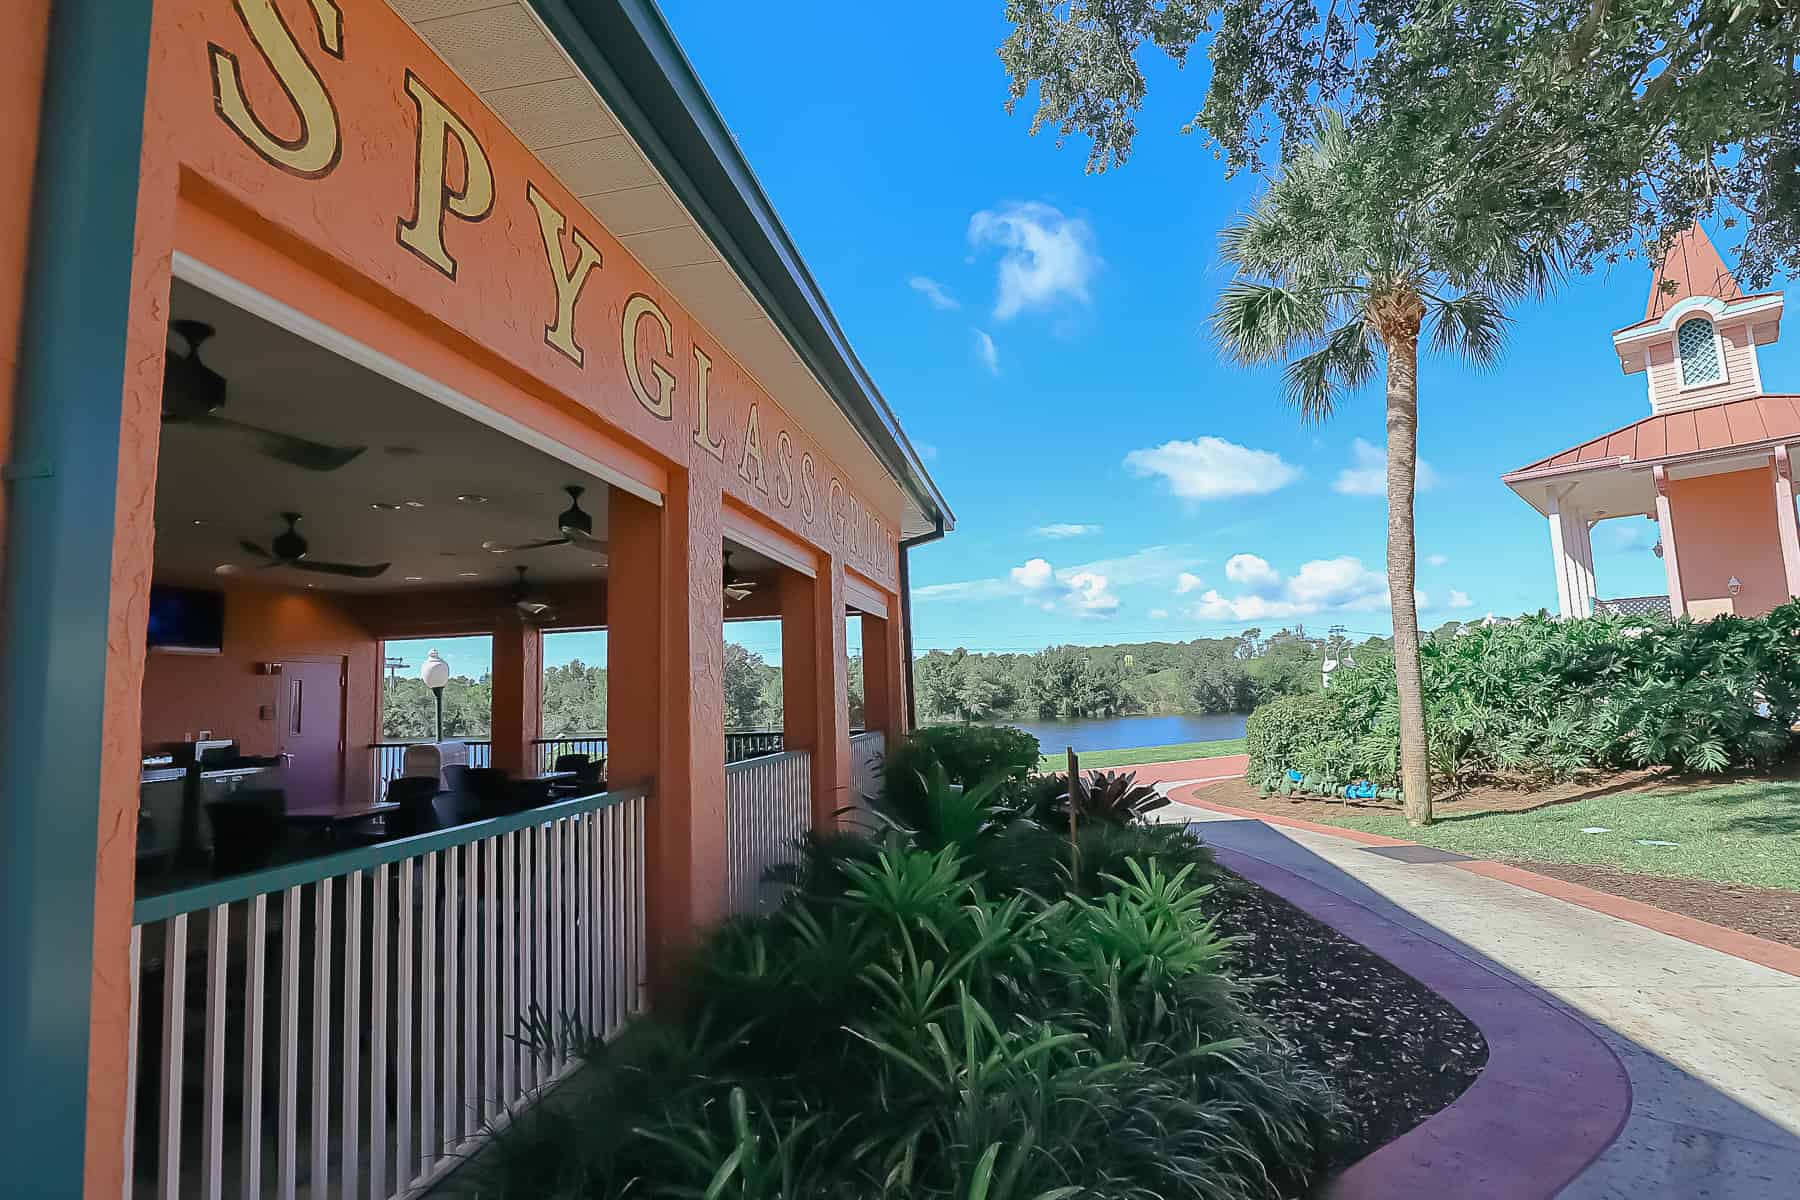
(435, 673)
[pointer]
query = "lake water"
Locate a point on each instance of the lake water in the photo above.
(1125, 733)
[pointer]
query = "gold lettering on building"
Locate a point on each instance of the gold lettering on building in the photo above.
(569, 280)
(662, 404)
(834, 505)
(784, 468)
(702, 414)
(315, 149)
(434, 195)
(750, 464)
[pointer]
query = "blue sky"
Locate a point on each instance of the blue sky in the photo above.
(1041, 334)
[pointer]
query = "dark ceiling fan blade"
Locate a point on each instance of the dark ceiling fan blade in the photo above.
(251, 547)
(503, 548)
(581, 537)
(350, 570)
(283, 447)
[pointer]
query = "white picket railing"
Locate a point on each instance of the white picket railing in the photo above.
(768, 808)
(867, 750)
(362, 1019)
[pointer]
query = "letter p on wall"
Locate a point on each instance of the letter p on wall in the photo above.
(434, 195)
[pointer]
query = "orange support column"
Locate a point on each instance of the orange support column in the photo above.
(814, 679)
(884, 702)
(518, 697)
(799, 657)
(665, 701)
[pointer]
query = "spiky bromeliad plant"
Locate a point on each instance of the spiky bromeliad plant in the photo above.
(1338, 281)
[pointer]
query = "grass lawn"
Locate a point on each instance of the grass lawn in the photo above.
(1736, 833)
(1107, 759)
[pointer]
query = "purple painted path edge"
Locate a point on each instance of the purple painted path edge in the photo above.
(1552, 1097)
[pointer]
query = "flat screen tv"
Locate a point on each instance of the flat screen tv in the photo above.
(186, 620)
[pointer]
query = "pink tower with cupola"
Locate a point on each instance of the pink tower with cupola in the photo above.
(1711, 464)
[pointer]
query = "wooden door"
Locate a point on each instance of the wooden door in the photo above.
(312, 732)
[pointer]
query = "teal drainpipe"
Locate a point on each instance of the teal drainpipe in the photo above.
(60, 488)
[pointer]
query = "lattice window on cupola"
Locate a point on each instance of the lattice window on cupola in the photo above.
(1698, 346)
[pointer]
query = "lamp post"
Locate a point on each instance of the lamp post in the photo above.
(436, 673)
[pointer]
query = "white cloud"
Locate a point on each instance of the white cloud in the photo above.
(1460, 599)
(1045, 255)
(990, 354)
(933, 291)
(1436, 560)
(1369, 476)
(1086, 589)
(1064, 529)
(1187, 582)
(927, 451)
(1034, 576)
(1210, 468)
(1252, 572)
(1152, 564)
(1421, 600)
(1158, 614)
(1339, 584)
(1089, 594)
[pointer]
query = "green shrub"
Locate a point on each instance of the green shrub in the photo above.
(936, 1013)
(967, 754)
(1279, 733)
(1542, 699)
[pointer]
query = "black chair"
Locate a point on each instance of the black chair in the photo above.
(492, 791)
(456, 808)
(456, 777)
(414, 794)
(587, 774)
(247, 830)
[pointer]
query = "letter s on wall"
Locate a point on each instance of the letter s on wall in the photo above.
(315, 151)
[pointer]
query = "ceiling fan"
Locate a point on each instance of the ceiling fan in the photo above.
(193, 394)
(289, 549)
(573, 523)
(528, 605)
(737, 587)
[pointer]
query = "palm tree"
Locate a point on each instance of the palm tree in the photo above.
(1336, 279)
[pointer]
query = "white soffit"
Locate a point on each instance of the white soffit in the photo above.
(504, 54)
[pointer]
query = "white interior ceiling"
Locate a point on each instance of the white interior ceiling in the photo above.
(215, 489)
(504, 54)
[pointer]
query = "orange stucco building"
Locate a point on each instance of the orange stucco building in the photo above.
(1710, 464)
(372, 319)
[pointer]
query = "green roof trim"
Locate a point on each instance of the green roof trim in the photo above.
(646, 79)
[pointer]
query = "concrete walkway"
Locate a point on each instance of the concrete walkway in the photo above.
(1710, 1042)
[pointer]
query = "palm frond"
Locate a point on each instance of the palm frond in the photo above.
(1472, 325)
(1259, 322)
(1344, 363)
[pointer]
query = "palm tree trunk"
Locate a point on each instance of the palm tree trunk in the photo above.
(1402, 467)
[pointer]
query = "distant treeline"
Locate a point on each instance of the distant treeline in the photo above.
(1207, 675)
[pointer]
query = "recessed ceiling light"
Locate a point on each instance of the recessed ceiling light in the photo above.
(415, 578)
(415, 504)
(198, 521)
(468, 574)
(225, 569)
(312, 585)
(472, 498)
(381, 506)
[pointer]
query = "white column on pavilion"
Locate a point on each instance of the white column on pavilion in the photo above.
(1666, 525)
(1572, 557)
(1785, 523)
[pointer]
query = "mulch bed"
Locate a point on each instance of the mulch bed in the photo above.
(1772, 913)
(1397, 1051)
